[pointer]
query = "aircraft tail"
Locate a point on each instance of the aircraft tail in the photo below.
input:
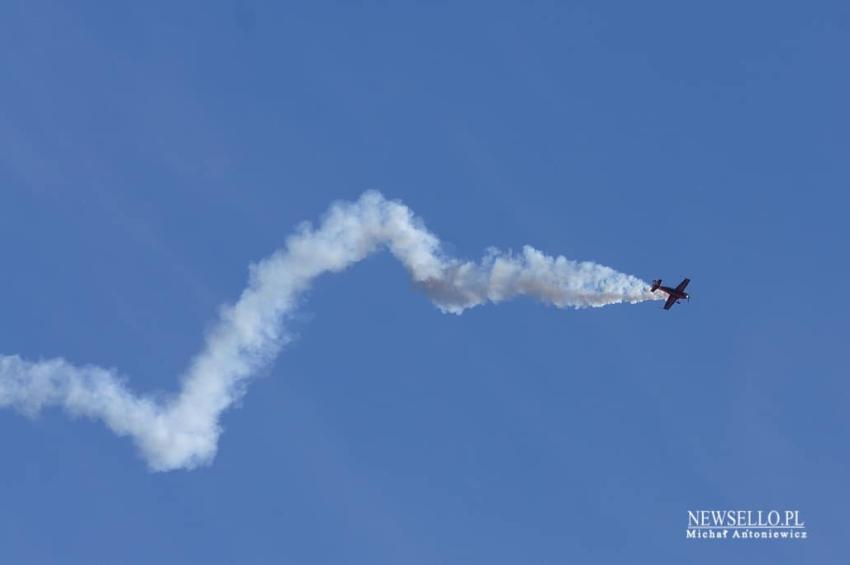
(655, 284)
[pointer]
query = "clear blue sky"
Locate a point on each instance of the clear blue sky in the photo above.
(149, 152)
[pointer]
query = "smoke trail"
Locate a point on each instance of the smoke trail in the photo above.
(182, 430)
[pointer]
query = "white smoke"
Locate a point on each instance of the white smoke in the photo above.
(182, 430)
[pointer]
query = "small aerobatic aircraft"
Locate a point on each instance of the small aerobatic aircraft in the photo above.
(674, 295)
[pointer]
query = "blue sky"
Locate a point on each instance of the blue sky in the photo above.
(150, 153)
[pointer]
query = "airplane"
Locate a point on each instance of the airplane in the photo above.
(673, 294)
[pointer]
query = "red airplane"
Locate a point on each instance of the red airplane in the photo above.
(673, 294)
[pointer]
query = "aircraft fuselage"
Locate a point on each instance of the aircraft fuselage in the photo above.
(673, 292)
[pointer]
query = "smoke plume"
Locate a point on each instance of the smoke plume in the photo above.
(182, 430)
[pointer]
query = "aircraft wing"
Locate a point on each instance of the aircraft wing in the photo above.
(682, 285)
(671, 300)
